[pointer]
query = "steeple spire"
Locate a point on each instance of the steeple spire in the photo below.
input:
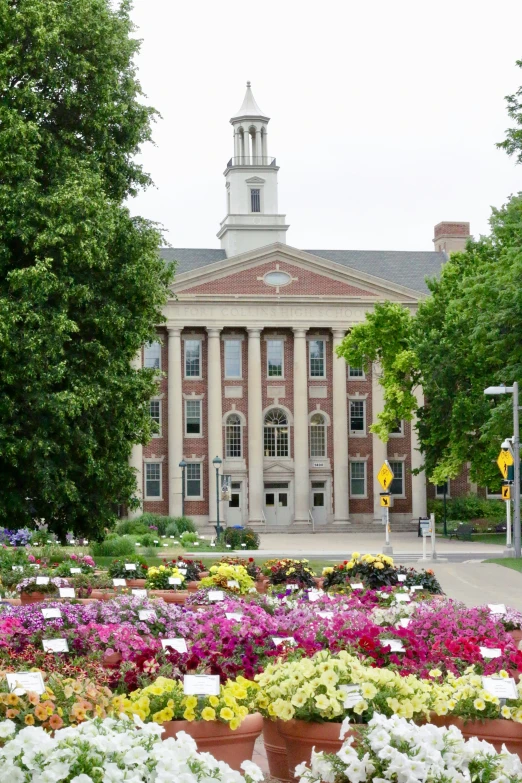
(249, 108)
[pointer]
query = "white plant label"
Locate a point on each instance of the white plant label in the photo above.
(357, 586)
(216, 595)
(500, 687)
(490, 652)
(314, 595)
(233, 615)
(42, 580)
(55, 645)
(395, 645)
(130, 566)
(35, 565)
(232, 583)
(21, 682)
(17, 568)
(147, 614)
(119, 582)
(292, 586)
(353, 695)
(75, 570)
(404, 623)
(181, 564)
(66, 592)
(175, 580)
(415, 588)
(402, 598)
(326, 615)
(201, 684)
(401, 577)
(140, 593)
(183, 571)
(497, 608)
(48, 614)
(284, 640)
(180, 645)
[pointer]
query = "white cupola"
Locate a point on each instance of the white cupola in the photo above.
(252, 219)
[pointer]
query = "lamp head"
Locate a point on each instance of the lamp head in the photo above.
(217, 462)
(506, 444)
(183, 464)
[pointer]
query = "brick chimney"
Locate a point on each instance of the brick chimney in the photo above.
(451, 237)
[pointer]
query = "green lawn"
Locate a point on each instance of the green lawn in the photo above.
(490, 538)
(509, 562)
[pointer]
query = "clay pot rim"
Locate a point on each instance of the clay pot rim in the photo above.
(251, 724)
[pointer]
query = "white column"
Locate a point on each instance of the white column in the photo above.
(175, 421)
(379, 449)
(136, 458)
(255, 429)
(215, 417)
(340, 433)
(301, 458)
(259, 145)
(418, 483)
(236, 146)
(246, 149)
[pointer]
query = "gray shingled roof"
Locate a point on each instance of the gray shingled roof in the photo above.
(407, 268)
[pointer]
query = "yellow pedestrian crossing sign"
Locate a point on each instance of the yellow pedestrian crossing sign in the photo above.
(504, 461)
(506, 492)
(385, 476)
(385, 501)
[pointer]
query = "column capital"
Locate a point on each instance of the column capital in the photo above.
(174, 331)
(300, 331)
(254, 332)
(339, 334)
(214, 331)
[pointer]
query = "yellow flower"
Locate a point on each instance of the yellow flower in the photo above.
(191, 702)
(214, 701)
(435, 673)
(234, 724)
(29, 720)
(479, 704)
(226, 713)
(355, 555)
(360, 707)
(189, 715)
(328, 570)
(379, 566)
(208, 714)
(368, 690)
(505, 712)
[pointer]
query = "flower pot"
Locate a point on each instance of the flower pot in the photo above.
(203, 574)
(301, 736)
(276, 753)
(496, 731)
(12, 601)
(111, 661)
(319, 580)
(216, 738)
(516, 635)
(32, 598)
(103, 595)
(262, 586)
(136, 583)
(193, 586)
(170, 596)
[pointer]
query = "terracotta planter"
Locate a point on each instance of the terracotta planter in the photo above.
(216, 738)
(140, 583)
(111, 661)
(12, 601)
(318, 581)
(498, 732)
(516, 635)
(32, 598)
(203, 574)
(103, 595)
(262, 586)
(276, 753)
(193, 586)
(170, 596)
(301, 736)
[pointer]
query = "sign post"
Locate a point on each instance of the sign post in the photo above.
(509, 551)
(385, 478)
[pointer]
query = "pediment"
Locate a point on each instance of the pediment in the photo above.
(311, 278)
(255, 181)
(279, 467)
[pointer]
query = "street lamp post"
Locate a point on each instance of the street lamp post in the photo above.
(217, 464)
(493, 390)
(182, 465)
(445, 513)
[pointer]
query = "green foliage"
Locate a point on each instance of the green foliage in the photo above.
(131, 527)
(188, 538)
(172, 530)
(467, 508)
(117, 567)
(512, 144)
(113, 546)
(81, 283)
(184, 524)
(236, 536)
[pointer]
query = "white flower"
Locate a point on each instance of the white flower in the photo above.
(252, 770)
(82, 779)
(7, 727)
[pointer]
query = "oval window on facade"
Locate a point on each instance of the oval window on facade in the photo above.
(277, 278)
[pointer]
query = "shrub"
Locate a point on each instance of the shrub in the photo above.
(113, 546)
(188, 538)
(467, 508)
(131, 527)
(236, 536)
(184, 524)
(172, 530)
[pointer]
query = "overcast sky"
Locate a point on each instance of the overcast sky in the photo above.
(384, 115)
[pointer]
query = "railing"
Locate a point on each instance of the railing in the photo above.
(248, 160)
(264, 518)
(311, 517)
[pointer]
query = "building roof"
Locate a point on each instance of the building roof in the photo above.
(404, 267)
(249, 107)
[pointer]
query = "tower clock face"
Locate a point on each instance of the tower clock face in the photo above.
(277, 278)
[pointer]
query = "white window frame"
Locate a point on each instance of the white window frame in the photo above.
(193, 338)
(448, 491)
(364, 496)
(400, 495)
(399, 434)
(316, 340)
(226, 341)
(146, 495)
(228, 415)
(194, 434)
(356, 377)
(276, 377)
(325, 426)
(160, 423)
(191, 498)
(489, 495)
(260, 189)
(357, 433)
(149, 345)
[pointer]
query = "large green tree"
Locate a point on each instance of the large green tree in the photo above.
(81, 283)
(464, 337)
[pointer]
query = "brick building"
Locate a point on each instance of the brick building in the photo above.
(249, 372)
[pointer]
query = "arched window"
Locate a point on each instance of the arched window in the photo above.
(317, 436)
(233, 445)
(276, 434)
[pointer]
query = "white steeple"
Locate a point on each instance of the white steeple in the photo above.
(251, 182)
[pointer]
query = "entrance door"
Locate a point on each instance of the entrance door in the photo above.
(318, 502)
(277, 503)
(235, 505)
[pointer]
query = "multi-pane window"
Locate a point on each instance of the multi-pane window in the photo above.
(397, 429)
(152, 355)
(356, 372)
(232, 358)
(357, 416)
(155, 415)
(193, 480)
(153, 479)
(192, 417)
(317, 436)
(255, 200)
(276, 441)
(316, 348)
(397, 485)
(357, 479)
(233, 436)
(274, 353)
(443, 489)
(192, 358)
